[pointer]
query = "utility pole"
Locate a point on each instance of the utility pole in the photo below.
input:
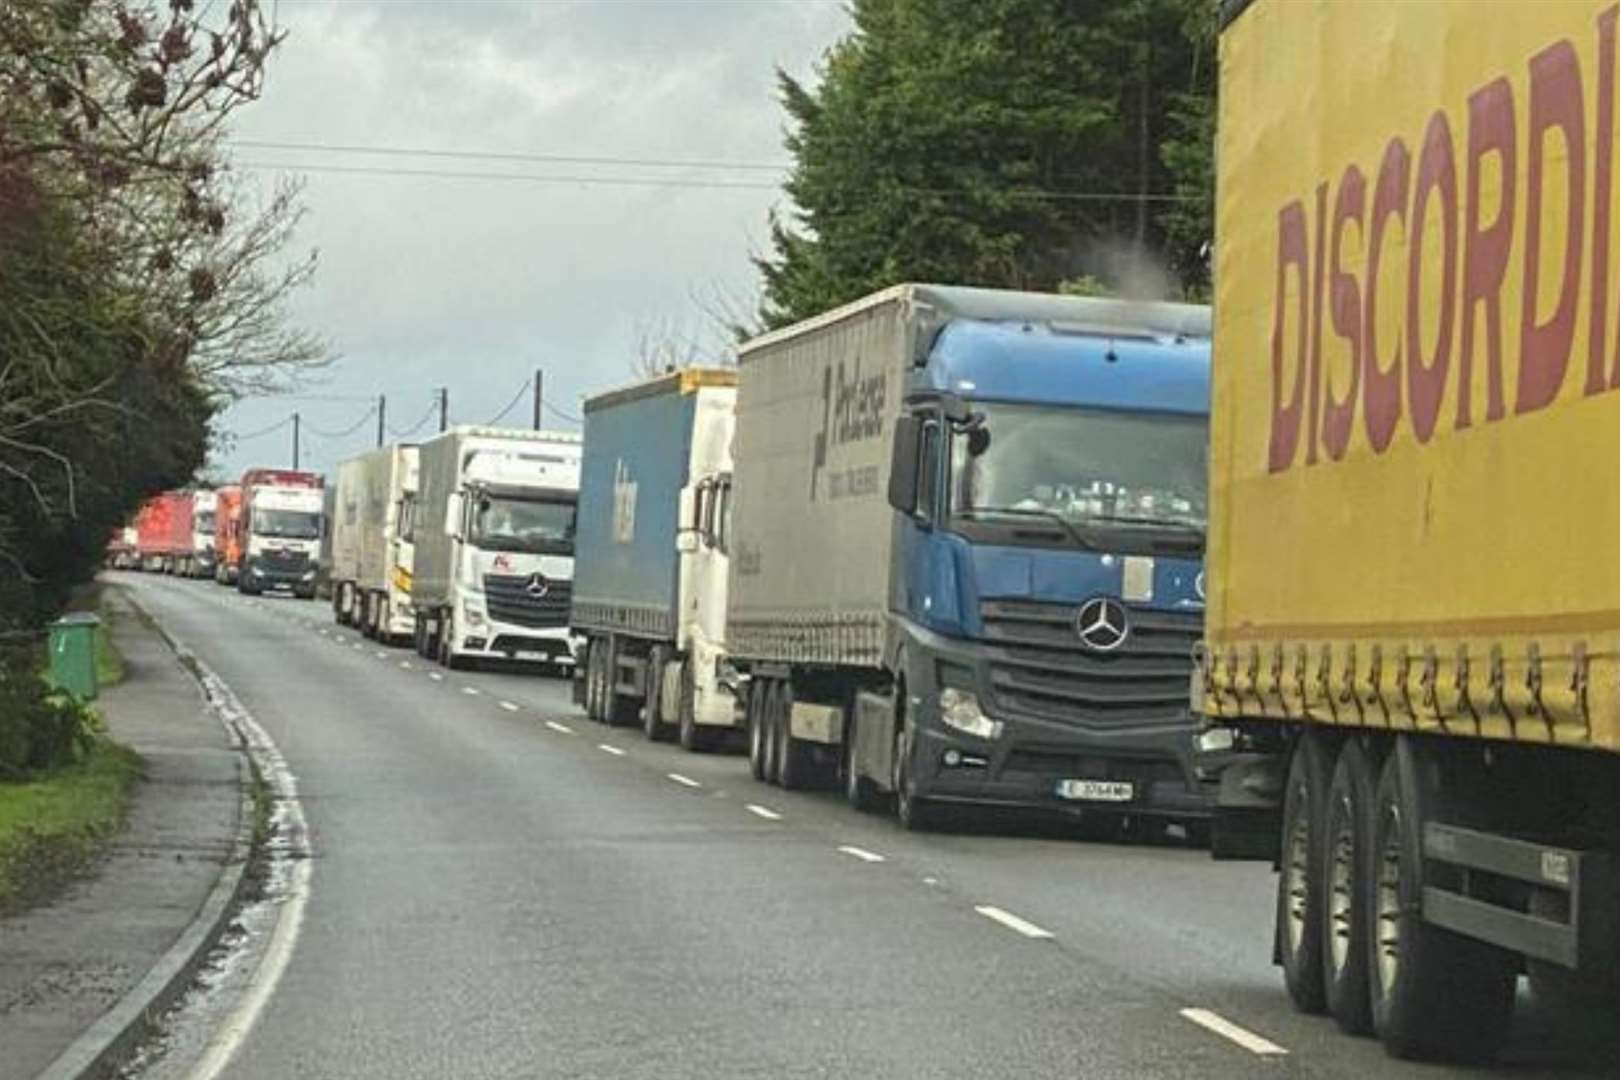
(382, 413)
(539, 384)
(295, 442)
(444, 407)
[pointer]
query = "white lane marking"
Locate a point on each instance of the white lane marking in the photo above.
(1011, 921)
(382, 655)
(471, 691)
(321, 631)
(930, 881)
(684, 781)
(561, 729)
(359, 647)
(406, 664)
(293, 837)
(609, 748)
(509, 706)
(1220, 1025)
(860, 853)
(763, 811)
(435, 676)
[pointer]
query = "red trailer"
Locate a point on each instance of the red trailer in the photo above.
(227, 533)
(163, 531)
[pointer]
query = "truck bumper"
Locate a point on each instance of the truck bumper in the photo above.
(507, 641)
(1140, 768)
(264, 575)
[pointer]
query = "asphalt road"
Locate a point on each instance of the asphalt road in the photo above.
(502, 888)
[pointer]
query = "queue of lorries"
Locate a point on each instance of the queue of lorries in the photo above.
(946, 547)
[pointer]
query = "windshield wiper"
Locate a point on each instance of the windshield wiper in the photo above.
(1049, 515)
(1151, 522)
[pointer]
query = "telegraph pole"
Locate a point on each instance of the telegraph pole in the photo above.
(444, 407)
(539, 384)
(295, 441)
(382, 413)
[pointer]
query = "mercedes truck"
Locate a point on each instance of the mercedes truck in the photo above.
(650, 572)
(966, 553)
(493, 535)
(279, 529)
(1411, 674)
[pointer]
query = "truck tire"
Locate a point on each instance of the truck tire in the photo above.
(771, 722)
(652, 715)
(1299, 931)
(593, 660)
(1435, 994)
(694, 739)
(1347, 862)
(795, 763)
(859, 791)
(914, 813)
(757, 737)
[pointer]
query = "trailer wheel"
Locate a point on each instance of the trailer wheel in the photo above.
(796, 763)
(652, 716)
(1347, 861)
(593, 679)
(771, 721)
(1299, 879)
(693, 739)
(1435, 994)
(620, 710)
(754, 714)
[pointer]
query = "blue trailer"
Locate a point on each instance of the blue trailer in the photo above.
(650, 557)
(968, 552)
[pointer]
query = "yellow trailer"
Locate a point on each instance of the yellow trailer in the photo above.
(1412, 667)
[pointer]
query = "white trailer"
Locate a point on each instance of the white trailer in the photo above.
(200, 564)
(372, 553)
(494, 536)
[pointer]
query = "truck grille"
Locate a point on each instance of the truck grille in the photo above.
(510, 601)
(283, 562)
(1039, 667)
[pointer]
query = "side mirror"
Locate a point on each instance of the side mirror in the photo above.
(686, 542)
(453, 508)
(903, 465)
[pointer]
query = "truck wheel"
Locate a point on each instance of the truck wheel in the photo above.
(652, 716)
(1435, 994)
(1347, 863)
(1299, 879)
(796, 765)
(593, 660)
(858, 790)
(915, 814)
(693, 738)
(755, 713)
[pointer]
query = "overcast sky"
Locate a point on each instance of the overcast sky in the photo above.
(473, 283)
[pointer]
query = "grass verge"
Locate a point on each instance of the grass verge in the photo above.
(52, 826)
(109, 661)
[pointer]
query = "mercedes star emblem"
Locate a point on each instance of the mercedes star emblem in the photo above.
(537, 587)
(1102, 624)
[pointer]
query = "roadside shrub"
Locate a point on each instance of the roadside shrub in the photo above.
(40, 728)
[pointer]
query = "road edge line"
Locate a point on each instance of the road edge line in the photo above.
(120, 1030)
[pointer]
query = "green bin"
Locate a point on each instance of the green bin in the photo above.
(73, 654)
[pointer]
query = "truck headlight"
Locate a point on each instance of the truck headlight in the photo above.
(473, 613)
(1215, 740)
(309, 575)
(959, 709)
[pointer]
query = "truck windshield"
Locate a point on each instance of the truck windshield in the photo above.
(545, 526)
(287, 524)
(203, 523)
(1089, 467)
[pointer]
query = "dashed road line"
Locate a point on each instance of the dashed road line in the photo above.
(561, 729)
(381, 655)
(763, 811)
(609, 748)
(1012, 922)
(435, 676)
(359, 647)
(1220, 1025)
(509, 706)
(405, 664)
(684, 781)
(470, 691)
(860, 853)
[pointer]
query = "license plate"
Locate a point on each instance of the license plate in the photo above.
(1112, 791)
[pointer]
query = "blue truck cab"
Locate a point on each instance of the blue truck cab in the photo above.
(1049, 478)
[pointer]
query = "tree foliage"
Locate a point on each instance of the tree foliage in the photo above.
(1010, 143)
(136, 288)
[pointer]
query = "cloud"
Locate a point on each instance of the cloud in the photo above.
(473, 283)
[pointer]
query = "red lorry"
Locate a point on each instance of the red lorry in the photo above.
(227, 534)
(163, 531)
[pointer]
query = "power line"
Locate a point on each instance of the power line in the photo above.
(346, 432)
(559, 414)
(497, 155)
(510, 405)
(277, 426)
(714, 185)
(433, 406)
